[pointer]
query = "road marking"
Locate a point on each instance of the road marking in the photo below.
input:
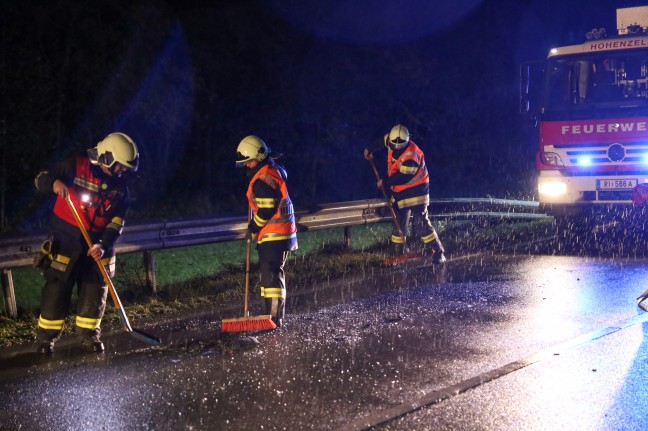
(437, 396)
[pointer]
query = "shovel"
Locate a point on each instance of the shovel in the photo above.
(140, 335)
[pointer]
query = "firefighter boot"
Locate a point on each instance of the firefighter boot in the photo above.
(397, 249)
(46, 341)
(46, 347)
(439, 252)
(276, 308)
(435, 248)
(91, 340)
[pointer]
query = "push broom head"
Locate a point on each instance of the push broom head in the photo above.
(244, 324)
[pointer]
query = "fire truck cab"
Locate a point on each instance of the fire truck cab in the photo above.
(591, 109)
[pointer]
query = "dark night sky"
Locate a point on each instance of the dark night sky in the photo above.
(318, 81)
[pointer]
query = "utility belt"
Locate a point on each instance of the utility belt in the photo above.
(47, 254)
(49, 257)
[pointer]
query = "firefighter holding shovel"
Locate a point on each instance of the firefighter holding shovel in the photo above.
(96, 184)
(409, 184)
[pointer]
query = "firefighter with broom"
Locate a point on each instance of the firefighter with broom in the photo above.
(409, 183)
(272, 220)
(96, 183)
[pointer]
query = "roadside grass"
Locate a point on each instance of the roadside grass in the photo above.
(193, 277)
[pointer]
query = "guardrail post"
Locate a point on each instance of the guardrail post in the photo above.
(347, 237)
(149, 266)
(11, 309)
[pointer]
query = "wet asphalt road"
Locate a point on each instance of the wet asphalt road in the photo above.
(483, 342)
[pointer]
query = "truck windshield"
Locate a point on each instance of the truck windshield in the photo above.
(597, 81)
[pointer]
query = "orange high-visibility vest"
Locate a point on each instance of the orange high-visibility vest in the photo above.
(281, 225)
(419, 174)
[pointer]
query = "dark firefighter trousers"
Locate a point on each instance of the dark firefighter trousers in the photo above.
(71, 265)
(272, 259)
(421, 228)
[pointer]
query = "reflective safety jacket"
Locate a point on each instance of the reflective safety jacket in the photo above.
(101, 201)
(273, 216)
(408, 176)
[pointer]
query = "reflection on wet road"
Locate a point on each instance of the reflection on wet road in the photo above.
(354, 350)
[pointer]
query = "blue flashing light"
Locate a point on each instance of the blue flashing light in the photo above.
(584, 161)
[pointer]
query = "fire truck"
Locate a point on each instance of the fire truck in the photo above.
(590, 103)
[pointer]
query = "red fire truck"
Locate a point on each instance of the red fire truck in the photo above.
(592, 113)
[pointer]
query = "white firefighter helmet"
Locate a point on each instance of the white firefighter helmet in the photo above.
(251, 148)
(398, 137)
(116, 147)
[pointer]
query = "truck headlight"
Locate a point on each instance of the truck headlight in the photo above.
(552, 188)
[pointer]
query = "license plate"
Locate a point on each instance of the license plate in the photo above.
(616, 184)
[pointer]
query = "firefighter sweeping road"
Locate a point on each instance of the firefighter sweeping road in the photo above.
(482, 342)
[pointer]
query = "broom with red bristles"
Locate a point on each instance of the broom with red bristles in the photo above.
(247, 323)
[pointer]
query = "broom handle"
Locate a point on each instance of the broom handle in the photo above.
(248, 252)
(111, 287)
(369, 156)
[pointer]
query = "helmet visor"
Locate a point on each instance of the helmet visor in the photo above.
(241, 159)
(93, 155)
(132, 165)
(398, 143)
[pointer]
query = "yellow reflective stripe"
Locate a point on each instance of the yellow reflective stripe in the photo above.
(273, 292)
(407, 170)
(117, 220)
(410, 202)
(60, 262)
(56, 325)
(276, 237)
(62, 259)
(265, 202)
(397, 239)
(429, 238)
(88, 322)
(259, 221)
(86, 185)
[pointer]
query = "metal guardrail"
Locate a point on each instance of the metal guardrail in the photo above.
(18, 251)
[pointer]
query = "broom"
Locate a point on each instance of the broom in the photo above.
(247, 323)
(140, 335)
(369, 156)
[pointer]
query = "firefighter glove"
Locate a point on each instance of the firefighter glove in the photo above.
(96, 252)
(60, 189)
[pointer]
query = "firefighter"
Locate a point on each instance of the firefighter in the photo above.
(272, 220)
(409, 183)
(96, 183)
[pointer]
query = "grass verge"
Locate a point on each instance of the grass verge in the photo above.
(199, 276)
